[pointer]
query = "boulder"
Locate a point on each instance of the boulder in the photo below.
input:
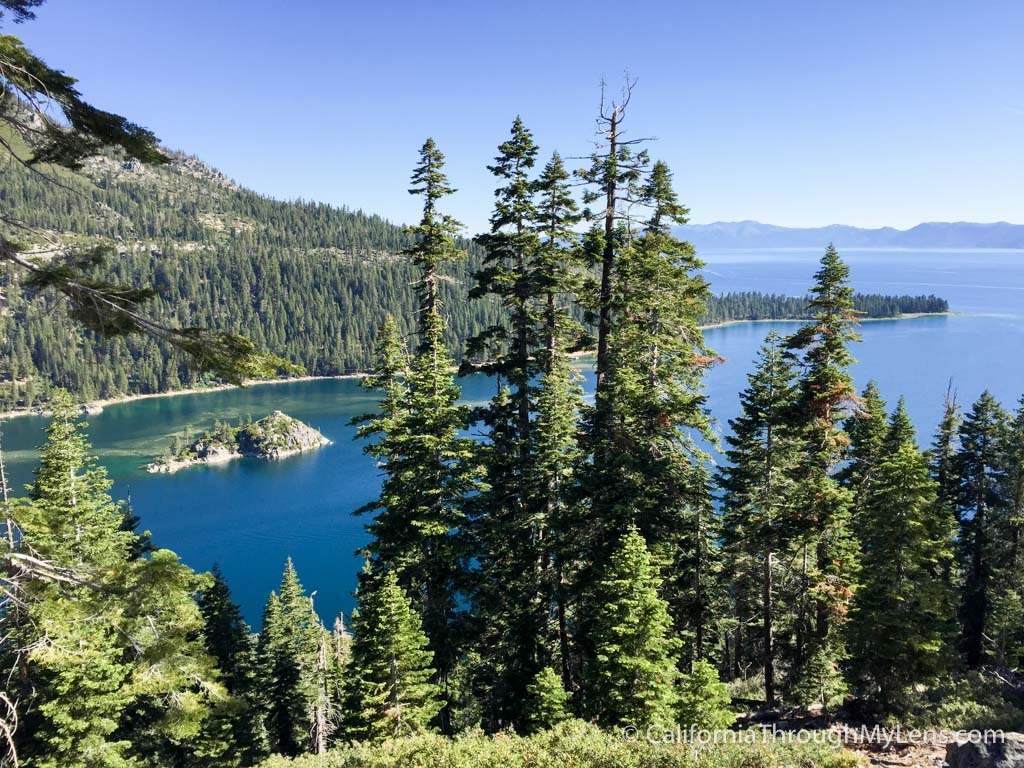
(1001, 752)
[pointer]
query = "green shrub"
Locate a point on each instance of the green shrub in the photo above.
(573, 744)
(969, 702)
(750, 688)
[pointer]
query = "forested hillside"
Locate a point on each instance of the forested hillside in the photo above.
(306, 281)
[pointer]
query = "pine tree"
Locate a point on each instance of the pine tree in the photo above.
(559, 402)
(647, 468)
(548, 701)
(820, 680)
(389, 688)
(980, 470)
(759, 492)
(825, 395)
(867, 429)
(509, 274)
(70, 518)
(231, 644)
(227, 636)
(943, 456)
(633, 673)
(429, 468)
(1008, 607)
(898, 626)
(704, 700)
(556, 455)
(509, 525)
(288, 649)
(105, 644)
(558, 273)
(694, 583)
(614, 173)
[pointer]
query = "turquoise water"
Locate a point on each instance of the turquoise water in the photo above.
(248, 516)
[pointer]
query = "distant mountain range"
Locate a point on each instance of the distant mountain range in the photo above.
(936, 234)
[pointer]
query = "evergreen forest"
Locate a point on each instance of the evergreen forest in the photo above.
(550, 574)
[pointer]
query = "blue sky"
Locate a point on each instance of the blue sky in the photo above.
(794, 113)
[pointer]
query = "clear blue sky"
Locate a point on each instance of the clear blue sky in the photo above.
(794, 113)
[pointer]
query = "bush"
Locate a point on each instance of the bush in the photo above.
(747, 688)
(573, 744)
(972, 701)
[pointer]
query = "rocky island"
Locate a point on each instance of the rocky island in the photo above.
(274, 437)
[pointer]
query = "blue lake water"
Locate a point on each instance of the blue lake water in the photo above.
(248, 516)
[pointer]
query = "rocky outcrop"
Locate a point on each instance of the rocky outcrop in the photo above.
(276, 436)
(1006, 751)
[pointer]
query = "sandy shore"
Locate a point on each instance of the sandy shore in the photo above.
(96, 406)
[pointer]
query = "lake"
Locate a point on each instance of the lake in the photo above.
(249, 515)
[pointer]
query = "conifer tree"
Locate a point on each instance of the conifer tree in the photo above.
(633, 674)
(1008, 609)
(898, 626)
(614, 173)
(824, 399)
(509, 274)
(704, 700)
(429, 467)
(943, 455)
(533, 268)
(107, 647)
(288, 649)
(391, 365)
(980, 469)
(509, 525)
(389, 692)
(867, 429)
(647, 468)
(696, 599)
(559, 278)
(559, 402)
(760, 522)
(556, 455)
(819, 680)
(549, 701)
(231, 644)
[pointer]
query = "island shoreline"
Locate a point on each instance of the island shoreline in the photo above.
(93, 405)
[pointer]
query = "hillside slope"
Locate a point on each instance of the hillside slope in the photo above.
(307, 281)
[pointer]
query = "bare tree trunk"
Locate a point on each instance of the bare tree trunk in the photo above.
(321, 707)
(769, 630)
(608, 256)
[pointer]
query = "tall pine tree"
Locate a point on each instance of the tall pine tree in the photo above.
(389, 691)
(981, 497)
(429, 468)
(898, 626)
(288, 648)
(826, 395)
(758, 494)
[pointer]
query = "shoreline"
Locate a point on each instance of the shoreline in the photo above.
(907, 316)
(97, 406)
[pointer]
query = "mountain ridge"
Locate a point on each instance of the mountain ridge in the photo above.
(931, 234)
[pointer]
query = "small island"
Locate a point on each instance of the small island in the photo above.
(274, 437)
